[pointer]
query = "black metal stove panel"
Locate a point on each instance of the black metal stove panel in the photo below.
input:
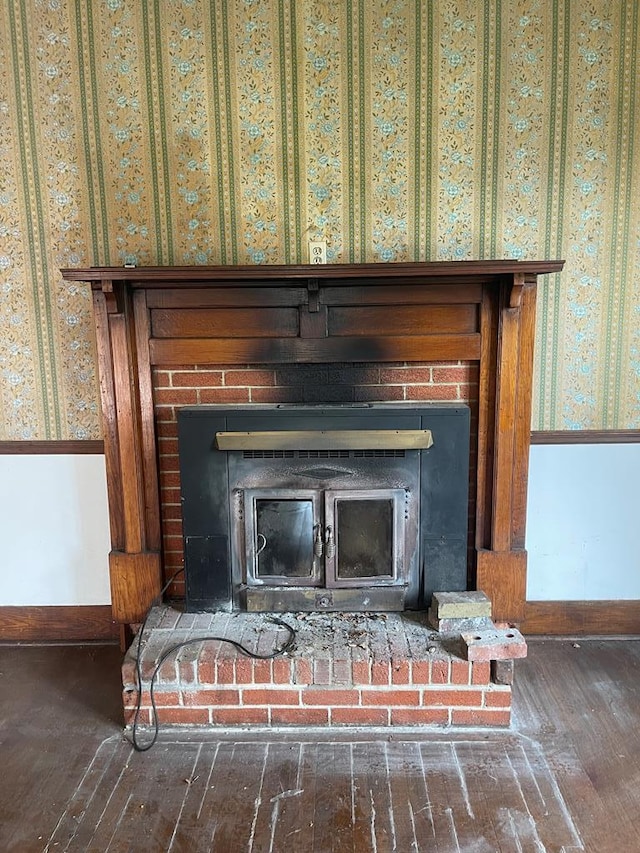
(214, 484)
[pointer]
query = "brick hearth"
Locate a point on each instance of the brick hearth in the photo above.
(344, 670)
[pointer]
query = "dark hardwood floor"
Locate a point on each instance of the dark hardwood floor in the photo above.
(57, 705)
(580, 700)
(566, 777)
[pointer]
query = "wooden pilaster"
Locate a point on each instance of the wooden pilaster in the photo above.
(134, 561)
(502, 560)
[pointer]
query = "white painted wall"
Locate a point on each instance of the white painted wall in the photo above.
(54, 530)
(583, 532)
(583, 523)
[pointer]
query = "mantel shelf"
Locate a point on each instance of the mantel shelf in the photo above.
(252, 275)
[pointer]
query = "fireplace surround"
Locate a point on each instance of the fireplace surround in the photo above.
(475, 312)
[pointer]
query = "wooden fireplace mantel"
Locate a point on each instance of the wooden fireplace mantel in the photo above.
(479, 311)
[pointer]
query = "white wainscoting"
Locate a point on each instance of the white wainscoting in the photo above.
(583, 523)
(55, 530)
(583, 532)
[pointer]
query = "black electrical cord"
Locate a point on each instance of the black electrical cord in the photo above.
(139, 747)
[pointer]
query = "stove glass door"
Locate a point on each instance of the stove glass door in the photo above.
(280, 537)
(366, 529)
(342, 538)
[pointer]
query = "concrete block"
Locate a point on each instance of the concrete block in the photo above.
(458, 626)
(505, 644)
(469, 604)
(502, 671)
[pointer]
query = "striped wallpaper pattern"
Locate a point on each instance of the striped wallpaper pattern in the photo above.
(235, 131)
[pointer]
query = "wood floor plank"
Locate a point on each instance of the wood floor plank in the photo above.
(418, 802)
(581, 701)
(341, 785)
(383, 830)
(333, 815)
(299, 811)
(441, 795)
(406, 795)
(103, 811)
(85, 797)
(57, 705)
(483, 780)
(238, 805)
(161, 796)
(499, 798)
(547, 811)
(364, 817)
(289, 810)
(197, 828)
(447, 798)
(228, 813)
(360, 823)
(279, 784)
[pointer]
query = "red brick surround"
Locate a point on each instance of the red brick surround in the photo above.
(332, 383)
(345, 669)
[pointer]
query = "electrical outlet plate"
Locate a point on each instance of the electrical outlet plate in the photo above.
(317, 251)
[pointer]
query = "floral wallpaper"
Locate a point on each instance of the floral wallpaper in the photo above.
(235, 131)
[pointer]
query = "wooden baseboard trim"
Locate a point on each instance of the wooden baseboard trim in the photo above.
(95, 622)
(579, 618)
(586, 436)
(58, 624)
(50, 448)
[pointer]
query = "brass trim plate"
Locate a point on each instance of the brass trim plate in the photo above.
(337, 439)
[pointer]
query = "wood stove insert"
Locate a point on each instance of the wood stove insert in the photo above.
(340, 508)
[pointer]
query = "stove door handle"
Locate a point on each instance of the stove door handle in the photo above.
(318, 545)
(260, 547)
(330, 545)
